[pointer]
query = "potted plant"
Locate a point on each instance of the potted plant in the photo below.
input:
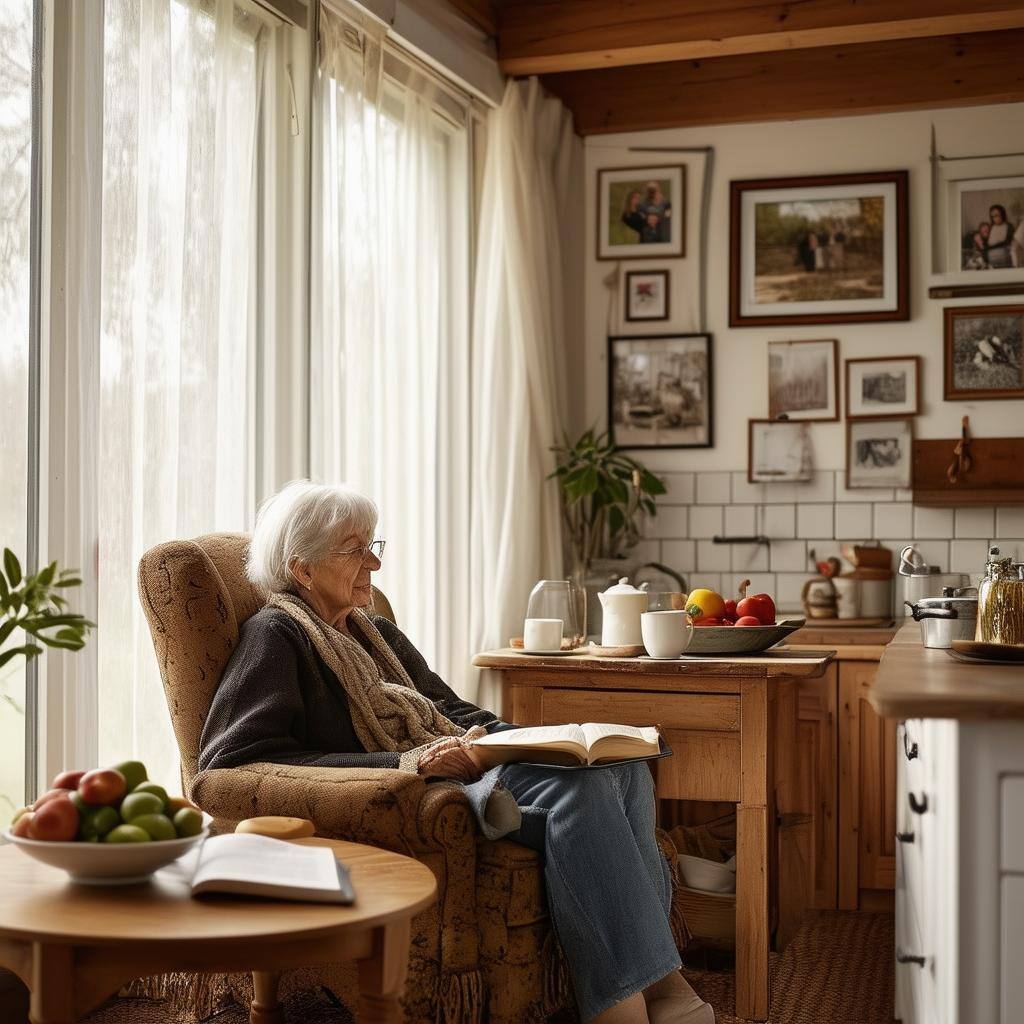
(605, 495)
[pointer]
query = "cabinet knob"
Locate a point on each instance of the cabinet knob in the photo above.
(910, 749)
(918, 806)
(908, 958)
(904, 837)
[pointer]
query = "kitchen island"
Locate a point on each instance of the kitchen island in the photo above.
(732, 725)
(960, 833)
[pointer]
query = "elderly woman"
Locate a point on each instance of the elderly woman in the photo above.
(318, 680)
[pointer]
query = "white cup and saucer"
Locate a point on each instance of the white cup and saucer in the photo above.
(666, 634)
(543, 636)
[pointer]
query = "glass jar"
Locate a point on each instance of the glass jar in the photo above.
(565, 600)
(1001, 602)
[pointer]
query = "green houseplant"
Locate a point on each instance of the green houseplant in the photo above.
(605, 495)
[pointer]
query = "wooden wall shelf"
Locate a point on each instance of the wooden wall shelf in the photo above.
(996, 476)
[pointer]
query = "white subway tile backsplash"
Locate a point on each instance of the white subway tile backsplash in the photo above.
(843, 493)
(740, 521)
(968, 556)
(933, 522)
(814, 522)
(760, 583)
(680, 488)
(671, 521)
(1010, 522)
(750, 557)
(934, 552)
(974, 522)
(680, 555)
(854, 522)
(778, 521)
(705, 520)
(714, 489)
(646, 551)
(903, 494)
(712, 557)
(744, 492)
(821, 487)
(788, 589)
(894, 519)
(709, 580)
(789, 556)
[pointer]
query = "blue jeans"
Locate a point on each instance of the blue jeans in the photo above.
(609, 888)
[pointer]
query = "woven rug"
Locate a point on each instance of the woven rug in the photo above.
(837, 970)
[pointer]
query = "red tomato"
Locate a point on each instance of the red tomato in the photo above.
(102, 786)
(68, 780)
(708, 620)
(49, 795)
(55, 822)
(748, 620)
(730, 608)
(23, 824)
(761, 606)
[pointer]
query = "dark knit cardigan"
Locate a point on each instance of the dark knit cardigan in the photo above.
(279, 702)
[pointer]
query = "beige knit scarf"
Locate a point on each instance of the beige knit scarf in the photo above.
(388, 712)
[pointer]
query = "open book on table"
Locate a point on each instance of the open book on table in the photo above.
(251, 865)
(590, 744)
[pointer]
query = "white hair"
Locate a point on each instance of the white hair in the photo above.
(303, 521)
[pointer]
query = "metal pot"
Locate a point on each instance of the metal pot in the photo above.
(945, 619)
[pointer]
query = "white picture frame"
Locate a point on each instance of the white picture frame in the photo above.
(883, 388)
(779, 451)
(641, 212)
(803, 380)
(880, 453)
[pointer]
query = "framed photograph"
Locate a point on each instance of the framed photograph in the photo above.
(647, 295)
(882, 388)
(984, 352)
(803, 380)
(779, 451)
(879, 453)
(660, 391)
(641, 212)
(823, 250)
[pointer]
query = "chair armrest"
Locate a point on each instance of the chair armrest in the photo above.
(381, 806)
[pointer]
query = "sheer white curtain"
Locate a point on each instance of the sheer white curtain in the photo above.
(519, 333)
(181, 88)
(390, 338)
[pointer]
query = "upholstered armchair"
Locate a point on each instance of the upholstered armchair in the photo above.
(485, 951)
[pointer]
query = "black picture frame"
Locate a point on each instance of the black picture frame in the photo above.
(627, 305)
(627, 437)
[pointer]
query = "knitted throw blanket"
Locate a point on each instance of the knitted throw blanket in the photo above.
(388, 712)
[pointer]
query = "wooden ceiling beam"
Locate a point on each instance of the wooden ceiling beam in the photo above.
(550, 36)
(823, 82)
(480, 13)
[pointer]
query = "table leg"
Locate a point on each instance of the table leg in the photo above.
(382, 975)
(266, 1007)
(52, 998)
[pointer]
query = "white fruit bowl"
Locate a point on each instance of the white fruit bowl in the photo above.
(109, 863)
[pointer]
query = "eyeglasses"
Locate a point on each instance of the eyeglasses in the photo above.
(375, 548)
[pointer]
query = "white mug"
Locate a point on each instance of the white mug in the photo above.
(847, 597)
(666, 634)
(542, 635)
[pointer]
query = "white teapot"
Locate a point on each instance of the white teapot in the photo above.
(622, 605)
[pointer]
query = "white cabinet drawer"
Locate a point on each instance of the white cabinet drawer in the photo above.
(1011, 994)
(1012, 854)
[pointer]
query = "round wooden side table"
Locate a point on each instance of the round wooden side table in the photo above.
(75, 945)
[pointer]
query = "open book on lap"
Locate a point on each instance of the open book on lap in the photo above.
(251, 865)
(574, 746)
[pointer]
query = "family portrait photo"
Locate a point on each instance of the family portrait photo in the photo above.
(879, 453)
(803, 380)
(983, 348)
(641, 212)
(827, 251)
(991, 224)
(887, 386)
(659, 391)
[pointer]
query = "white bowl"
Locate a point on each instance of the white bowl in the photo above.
(708, 875)
(109, 863)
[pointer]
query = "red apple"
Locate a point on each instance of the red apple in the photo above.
(56, 821)
(46, 797)
(760, 606)
(748, 620)
(730, 608)
(68, 780)
(23, 824)
(102, 786)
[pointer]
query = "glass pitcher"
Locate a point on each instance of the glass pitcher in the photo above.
(565, 600)
(1001, 602)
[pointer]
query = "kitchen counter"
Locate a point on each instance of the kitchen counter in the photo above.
(917, 682)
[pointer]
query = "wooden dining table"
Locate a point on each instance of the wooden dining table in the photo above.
(731, 723)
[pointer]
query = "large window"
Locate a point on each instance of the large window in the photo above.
(16, 74)
(181, 101)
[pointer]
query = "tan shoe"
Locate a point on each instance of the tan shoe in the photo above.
(676, 1010)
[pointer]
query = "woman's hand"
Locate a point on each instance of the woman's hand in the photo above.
(451, 762)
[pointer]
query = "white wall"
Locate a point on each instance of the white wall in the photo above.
(879, 142)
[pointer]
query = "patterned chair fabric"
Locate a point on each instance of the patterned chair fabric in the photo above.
(486, 950)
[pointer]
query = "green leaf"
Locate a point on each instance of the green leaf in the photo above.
(67, 645)
(8, 628)
(5, 591)
(29, 650)
(45, 576)
(12, 567)
(73, 581)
